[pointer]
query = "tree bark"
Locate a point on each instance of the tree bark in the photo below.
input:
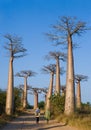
(10, 93)
(57, 89)
(25, 94)
(35, 100)
(78, 95)
(70, 90)
(49, 94)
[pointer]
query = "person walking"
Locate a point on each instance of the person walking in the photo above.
(37, 114)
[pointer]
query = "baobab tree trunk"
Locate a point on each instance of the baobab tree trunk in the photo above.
(25, 94)
(78, 96)
(57, 89)
(70, 90)
(10, 95)
(35, 100)
(49, 94)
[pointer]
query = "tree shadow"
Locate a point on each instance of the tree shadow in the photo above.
(28, 121)
(53, 126)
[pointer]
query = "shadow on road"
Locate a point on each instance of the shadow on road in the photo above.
(28, 121)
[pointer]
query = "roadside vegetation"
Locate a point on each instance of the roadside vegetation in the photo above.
(4, 118)
(81, 119)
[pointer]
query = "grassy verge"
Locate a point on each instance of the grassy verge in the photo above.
(5, 118)
(81, 121)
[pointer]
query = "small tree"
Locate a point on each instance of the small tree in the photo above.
(16, 50)
(57, 104)
(17, 99)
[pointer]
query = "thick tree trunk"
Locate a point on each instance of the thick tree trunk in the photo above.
(25, 94)
(10, 93)
(78, 96)
(35, 100)
(49, 94)
(70, 90)
(57, 89)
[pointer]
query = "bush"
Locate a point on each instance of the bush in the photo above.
(41, 105)
(2, 101)
(17, 99)
(57, 104)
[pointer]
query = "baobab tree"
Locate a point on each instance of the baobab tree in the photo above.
(57, 56)
(25, 74)
(36, 96)
(79, 78)
(16, 50)
(35, 92)
(63, 32)
(49, 69)
(44, 91)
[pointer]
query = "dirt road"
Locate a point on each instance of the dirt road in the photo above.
(27, 122)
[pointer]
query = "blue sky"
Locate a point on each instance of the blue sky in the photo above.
(30, 19)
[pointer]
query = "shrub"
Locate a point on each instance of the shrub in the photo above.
(57, 104)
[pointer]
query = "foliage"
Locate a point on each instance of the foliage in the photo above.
(2, 101)
(85, 108)
(29, 106)
(17, 98)
(14, 46)
(81, 119)
(57, 104)
(41, 105)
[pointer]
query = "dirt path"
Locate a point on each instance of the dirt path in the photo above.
(27, 122)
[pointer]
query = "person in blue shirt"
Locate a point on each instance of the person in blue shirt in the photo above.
(37, 114)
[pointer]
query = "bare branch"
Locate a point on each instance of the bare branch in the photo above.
(15, 46)
(81, 77)
(56, 55)
(25, 73)
(66, 26)
(50, 68)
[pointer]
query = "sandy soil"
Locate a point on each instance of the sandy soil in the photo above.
(27, 122)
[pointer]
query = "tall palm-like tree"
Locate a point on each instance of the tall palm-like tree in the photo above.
(49, 69)
(79, 78)
(16, 50)
(64, 30)
(25, 74)
(57, 56)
